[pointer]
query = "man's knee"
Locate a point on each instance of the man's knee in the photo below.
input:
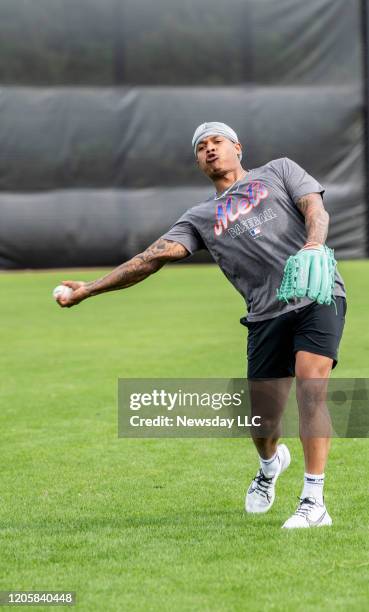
(309, 365)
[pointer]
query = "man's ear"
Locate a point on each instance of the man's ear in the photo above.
(238, 146)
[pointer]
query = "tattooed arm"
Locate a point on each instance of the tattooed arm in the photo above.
(129, 273)
(316, 218)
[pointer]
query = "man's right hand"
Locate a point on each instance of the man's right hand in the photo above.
(80, 293)
(127, 274)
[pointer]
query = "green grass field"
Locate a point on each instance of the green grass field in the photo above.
(159, 524)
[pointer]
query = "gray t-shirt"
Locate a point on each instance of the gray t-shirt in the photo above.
(251, 230)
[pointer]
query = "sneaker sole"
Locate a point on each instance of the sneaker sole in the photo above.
(324, 521)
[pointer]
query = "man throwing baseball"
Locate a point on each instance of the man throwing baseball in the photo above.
(266, 228)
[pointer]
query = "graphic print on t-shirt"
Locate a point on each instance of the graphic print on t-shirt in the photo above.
(252, 224)
(225, 215)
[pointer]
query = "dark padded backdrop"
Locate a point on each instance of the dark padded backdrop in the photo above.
(99, 101)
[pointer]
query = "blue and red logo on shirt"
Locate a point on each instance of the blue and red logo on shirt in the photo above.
(255, 193)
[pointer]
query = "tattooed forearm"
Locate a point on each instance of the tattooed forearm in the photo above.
(139, 267)
(316, 217)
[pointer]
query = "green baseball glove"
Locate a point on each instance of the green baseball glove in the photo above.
(310, 273)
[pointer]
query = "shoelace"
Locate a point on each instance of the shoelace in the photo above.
(305, 506)
(262, 484)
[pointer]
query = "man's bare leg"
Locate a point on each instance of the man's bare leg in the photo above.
(317, 368)
(312, 374)
(268, 400)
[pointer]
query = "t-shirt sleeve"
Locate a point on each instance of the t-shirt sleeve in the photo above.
(184, 232)
(297, 181)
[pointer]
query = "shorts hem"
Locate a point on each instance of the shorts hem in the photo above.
(289, 375)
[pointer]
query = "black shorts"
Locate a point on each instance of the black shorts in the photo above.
(272, 344)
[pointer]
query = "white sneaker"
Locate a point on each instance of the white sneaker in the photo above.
(261, 493)
(310, 513)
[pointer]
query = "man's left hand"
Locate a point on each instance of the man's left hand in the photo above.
(310, 273)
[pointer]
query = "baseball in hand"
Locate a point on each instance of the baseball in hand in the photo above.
(62, 291)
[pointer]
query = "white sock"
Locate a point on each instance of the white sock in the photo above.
(270, 466)
(313, 486)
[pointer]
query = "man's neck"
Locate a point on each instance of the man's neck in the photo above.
(225, 182)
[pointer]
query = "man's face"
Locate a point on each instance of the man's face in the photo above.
(216, 155)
